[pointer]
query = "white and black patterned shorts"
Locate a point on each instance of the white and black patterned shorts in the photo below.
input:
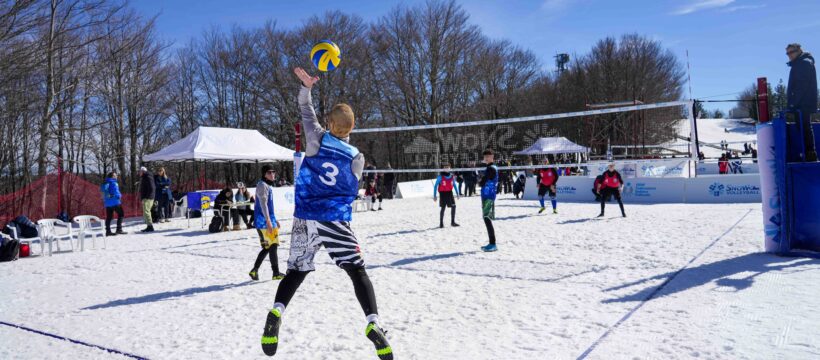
(336, 236)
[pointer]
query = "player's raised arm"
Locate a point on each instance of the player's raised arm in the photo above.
(313, 130)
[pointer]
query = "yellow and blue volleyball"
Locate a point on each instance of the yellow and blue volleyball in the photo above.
(325, 55)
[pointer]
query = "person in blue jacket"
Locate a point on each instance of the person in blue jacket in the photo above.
(112, 199)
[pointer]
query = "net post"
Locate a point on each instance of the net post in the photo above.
(762, 100)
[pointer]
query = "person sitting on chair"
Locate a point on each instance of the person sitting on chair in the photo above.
(223, 202)
(244, 211)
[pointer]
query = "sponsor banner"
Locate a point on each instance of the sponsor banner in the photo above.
(712, 168)
(569, 188)
(415, 189)
(653, 190)
(724, 189)
(645, 168)
(708, 189)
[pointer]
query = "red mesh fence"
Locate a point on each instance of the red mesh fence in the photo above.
(40, 199)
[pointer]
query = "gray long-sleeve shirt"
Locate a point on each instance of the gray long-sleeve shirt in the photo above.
(314, 131)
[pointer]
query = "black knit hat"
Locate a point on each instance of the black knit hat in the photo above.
(266, 168)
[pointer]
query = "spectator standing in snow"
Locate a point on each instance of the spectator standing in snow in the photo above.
(112, 199)
(148, 191)
(163, 196)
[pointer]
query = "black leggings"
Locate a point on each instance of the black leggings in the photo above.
(270, 251)
(452, 215)
(490, 230)
(361, 285)
(109, 214)
(606, 193)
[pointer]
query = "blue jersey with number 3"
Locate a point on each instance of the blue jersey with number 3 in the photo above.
(326, 185)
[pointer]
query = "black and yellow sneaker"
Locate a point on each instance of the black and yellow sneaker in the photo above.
(254, 275)
(542, 210)
(270, 337)
(377, 336)
(278, 276)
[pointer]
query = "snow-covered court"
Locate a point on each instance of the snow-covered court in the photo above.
(667, 282)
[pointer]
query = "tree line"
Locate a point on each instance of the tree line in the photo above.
(91, 82)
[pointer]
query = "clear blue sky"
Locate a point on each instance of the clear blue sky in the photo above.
(730, 42)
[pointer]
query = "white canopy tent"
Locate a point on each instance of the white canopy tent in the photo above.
(553, 145)
(213, 144)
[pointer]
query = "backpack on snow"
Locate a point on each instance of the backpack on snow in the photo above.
(216, 224)
(10, 250)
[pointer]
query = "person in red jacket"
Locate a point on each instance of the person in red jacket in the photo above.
(443, 189)
(547, 179)
(611, 185)
(723, 165)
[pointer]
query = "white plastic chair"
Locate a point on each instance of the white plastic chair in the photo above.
(30, 241)
(49, 233)
(87, 229)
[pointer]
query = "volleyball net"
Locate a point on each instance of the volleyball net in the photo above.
(620, 132)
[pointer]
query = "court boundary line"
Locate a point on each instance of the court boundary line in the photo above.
(658, 290)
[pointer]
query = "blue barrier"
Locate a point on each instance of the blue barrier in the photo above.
(789, 186)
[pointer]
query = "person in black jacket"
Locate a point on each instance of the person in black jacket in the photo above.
(388, 180)
(148, 191)
(223, 203)
(802, 93)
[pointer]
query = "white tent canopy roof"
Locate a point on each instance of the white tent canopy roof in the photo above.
(223, 145)
(553, 145)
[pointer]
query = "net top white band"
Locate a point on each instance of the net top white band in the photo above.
(526, 118)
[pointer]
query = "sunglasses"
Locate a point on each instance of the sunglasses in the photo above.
(791, 52)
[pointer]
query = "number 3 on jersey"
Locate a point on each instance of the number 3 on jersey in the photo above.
(329, 178)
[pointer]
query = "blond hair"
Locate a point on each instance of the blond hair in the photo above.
(341, 120)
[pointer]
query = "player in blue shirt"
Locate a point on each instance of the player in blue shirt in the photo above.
(489, 187)
(326, 185)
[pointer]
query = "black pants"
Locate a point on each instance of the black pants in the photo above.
(269, 251)
(446, 199)
(470, 188)
(247, 216)
(606, 193)
(490, 230)
(163, 208)
(232, 213)
(374, 197)
(361, 286)
(109, 214)
(808, 133)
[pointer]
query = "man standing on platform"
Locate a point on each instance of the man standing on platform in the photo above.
(802, 93)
